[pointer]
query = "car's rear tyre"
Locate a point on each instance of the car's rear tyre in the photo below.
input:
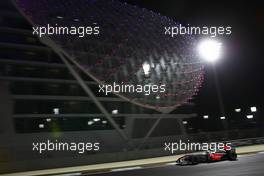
(232, 156)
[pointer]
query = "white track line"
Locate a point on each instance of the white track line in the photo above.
(126, 169)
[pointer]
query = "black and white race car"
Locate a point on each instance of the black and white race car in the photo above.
(206, 157)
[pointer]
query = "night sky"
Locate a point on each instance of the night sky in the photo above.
(240, 70)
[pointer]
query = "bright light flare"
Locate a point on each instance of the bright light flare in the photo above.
(250, 116)
(210, 50)
(48, 119)
(184, 122)
(205, 116)
(115, 111)
(238, 110)
(96, 119)
(90, 122)
(223, 118)
(253, 109)
(41, 125)
(146, 68)
(56, 111)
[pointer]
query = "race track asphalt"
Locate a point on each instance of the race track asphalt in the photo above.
(246, 165)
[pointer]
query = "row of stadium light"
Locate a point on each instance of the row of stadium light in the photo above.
(56, 111)
(249, 116)
(91, 122)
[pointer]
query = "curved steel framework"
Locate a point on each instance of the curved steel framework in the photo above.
(130, 39)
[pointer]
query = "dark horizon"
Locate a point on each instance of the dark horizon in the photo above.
(240, 68)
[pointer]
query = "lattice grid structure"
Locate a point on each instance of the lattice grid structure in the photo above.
(130, 39)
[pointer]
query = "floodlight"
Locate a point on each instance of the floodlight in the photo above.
(210, 50)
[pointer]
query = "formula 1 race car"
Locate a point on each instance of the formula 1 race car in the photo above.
(207, 157)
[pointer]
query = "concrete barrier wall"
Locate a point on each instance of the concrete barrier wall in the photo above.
(124, 164)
